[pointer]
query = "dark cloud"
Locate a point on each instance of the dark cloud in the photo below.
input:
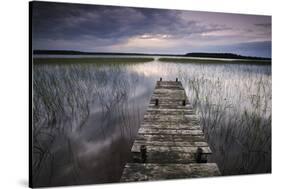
(77, 21)
(111, 28)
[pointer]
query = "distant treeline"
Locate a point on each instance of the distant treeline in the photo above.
(199, 54)
(69, 52)
(224, 55)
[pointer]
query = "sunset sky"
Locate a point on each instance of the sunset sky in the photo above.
(91, 28)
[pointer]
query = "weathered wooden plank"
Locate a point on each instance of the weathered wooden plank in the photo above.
(164, 157)
(169, 83)
(158, 137)
(168, 106)
(180, 95)
(187, 109)
(150, 171)
(170, 143)
(168, 87)
(161, 91)
(171, 126)
(178, 116)
(167, 121)
(167, 101)
(182, 122)
(160, 112)
(143, 130)
(154, 109)
(168, 91)
(182, 149)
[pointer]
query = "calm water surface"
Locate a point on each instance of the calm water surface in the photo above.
(85, 116)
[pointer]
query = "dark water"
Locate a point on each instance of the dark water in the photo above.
(85, 117)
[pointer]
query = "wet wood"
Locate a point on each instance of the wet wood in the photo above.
(169, 139)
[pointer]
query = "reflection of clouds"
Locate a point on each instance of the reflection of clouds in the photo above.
(88, 148)
(155, 69)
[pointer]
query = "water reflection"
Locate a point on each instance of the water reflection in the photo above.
(85, 117)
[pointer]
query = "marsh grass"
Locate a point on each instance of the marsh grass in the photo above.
(85, 116)
(76, 109)
(235, 109)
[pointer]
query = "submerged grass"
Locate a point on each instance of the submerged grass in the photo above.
(95, 60)
(216, 61)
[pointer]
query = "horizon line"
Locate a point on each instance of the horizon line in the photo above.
(37, 51)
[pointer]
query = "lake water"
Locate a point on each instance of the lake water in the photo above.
(85, 116)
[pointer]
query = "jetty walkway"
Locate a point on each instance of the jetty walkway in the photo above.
(170, 143)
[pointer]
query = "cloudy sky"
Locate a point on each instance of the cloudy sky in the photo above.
(92, 28)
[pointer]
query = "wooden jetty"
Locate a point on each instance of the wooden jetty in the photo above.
(170, 143)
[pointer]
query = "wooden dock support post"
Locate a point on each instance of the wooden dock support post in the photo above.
(200, 157)
(156, 102)
(143, 153)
